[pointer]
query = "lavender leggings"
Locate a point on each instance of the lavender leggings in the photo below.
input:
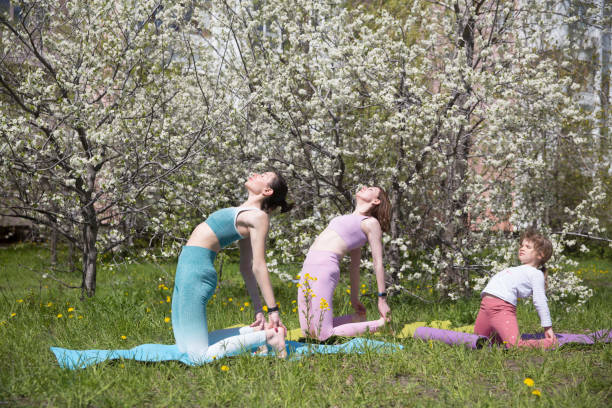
(497, 319)
(319, 277)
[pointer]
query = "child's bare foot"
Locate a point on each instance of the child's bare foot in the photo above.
(276, 338)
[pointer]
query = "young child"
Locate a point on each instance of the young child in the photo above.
(497, 314)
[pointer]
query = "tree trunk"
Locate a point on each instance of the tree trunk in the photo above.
(90, 256)
(90, 236)
(396, 201)
(71, 256)
(605, 45)
(53, 246)
(455, 276)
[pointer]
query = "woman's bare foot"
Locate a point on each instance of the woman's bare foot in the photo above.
(276, 338)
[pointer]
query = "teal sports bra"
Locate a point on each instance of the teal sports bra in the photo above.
(223, 224)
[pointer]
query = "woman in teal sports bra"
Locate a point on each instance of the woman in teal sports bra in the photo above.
(196, 277)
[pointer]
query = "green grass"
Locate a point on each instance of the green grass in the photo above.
(131, 302)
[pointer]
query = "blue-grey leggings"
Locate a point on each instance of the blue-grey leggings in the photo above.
(194, 285)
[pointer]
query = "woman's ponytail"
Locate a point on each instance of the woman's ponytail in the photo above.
(278, 197)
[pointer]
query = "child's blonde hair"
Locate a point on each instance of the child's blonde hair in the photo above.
(542, 246)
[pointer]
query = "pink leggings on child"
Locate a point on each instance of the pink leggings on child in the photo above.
(497, 320)
(319, 277)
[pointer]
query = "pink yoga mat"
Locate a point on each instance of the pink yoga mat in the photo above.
(475, 341)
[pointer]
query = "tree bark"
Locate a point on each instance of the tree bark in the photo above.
(396, 201)
(53, 246)
(90, 236)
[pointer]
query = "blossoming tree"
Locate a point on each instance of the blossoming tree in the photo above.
(145, 115)
(100, 108)
(452, 111)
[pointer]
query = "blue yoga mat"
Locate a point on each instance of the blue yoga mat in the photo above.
(75, 359)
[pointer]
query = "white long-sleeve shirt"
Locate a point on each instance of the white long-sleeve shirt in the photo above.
(520, 282)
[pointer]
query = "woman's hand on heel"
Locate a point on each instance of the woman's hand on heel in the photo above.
(384, 309)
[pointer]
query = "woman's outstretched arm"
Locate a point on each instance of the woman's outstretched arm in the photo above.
(246, 269)
(374, 234)
(259, 232)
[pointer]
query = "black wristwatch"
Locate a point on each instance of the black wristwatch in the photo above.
(382, 294)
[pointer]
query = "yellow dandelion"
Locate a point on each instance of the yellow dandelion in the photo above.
(19, 300)
(294, 310)
(80, 317)
(59, 316)
(161, 301)
(536, 392)
(348, 291)
(71, 309)
(49, 304)
(214, 295)
(298, 285)
(293, 301)
(246, 304)
(15, 314)
(122, 365)
(123, 337)
(70, 316)
(167, 320)
(363, 285)
(224, 368)
(230, 299)
(528, 382)
(148, 309)
(363, 291)
(168, 299)
(241, 309)
(297, 276)
(265, 308)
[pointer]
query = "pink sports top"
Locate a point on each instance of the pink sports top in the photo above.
(349, 229)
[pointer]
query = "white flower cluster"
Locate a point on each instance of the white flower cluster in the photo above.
(144, 120)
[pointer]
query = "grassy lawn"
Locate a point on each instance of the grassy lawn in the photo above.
(131, 307)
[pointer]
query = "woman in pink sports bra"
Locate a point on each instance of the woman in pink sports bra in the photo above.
(321, 270)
